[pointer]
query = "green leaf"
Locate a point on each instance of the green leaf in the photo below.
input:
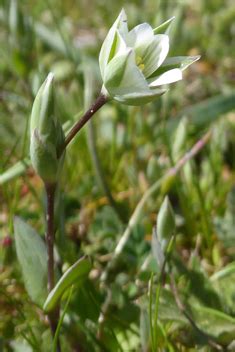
(227, 271)
(144, 329)
(51, 38)
(157, 250)
(169, 311)
(223, 282)
(180, 62)
(16, 170)
(163, 28)
(204, 113)
(211, 322)
(179, 139)
(165, 221)
(136, 99)
(215, 323)
(31, 253)
(76, 274)
(198, 286)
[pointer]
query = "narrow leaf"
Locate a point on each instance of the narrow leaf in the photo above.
(215, 323)
(144, 329)
(157, 250)
(227, 271)
(31, 253)
(16, 170)
(206, 112)
(76, 274)
(164, 26)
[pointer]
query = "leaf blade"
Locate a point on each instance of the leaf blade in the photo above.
(77, 273)
(31, 253)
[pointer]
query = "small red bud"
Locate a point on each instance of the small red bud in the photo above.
(6, 241)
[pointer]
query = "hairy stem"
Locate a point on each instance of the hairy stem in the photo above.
(50, 234)
(50, 192)
(100, 101)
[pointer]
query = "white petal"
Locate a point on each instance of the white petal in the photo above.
(106, 49)
(140, 36)
(122, 76)
(155, 54)
(166, 78)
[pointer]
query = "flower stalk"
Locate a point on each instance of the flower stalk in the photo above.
(50, 239)
(100, 101)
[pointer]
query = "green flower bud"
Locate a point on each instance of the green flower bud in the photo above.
(165, 221)
(134, 64)
(47, 136)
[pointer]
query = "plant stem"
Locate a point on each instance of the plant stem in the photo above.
(50, 234)
(50, 191)
(160, 285)
(150, 309)
(100, 101)
(60, 322)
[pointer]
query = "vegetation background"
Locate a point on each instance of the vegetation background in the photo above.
(110, 167)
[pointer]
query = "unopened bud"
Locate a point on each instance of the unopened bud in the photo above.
(165, 221)
(47, 135)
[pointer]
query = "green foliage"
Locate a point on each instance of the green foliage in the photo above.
(76, 275)
(31, 253)
(165, 221)
(132, 149)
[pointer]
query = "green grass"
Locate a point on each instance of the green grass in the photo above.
(131, 149)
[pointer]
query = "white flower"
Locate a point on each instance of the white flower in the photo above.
(133, 64)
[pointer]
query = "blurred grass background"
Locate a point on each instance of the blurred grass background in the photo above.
(113, 162)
